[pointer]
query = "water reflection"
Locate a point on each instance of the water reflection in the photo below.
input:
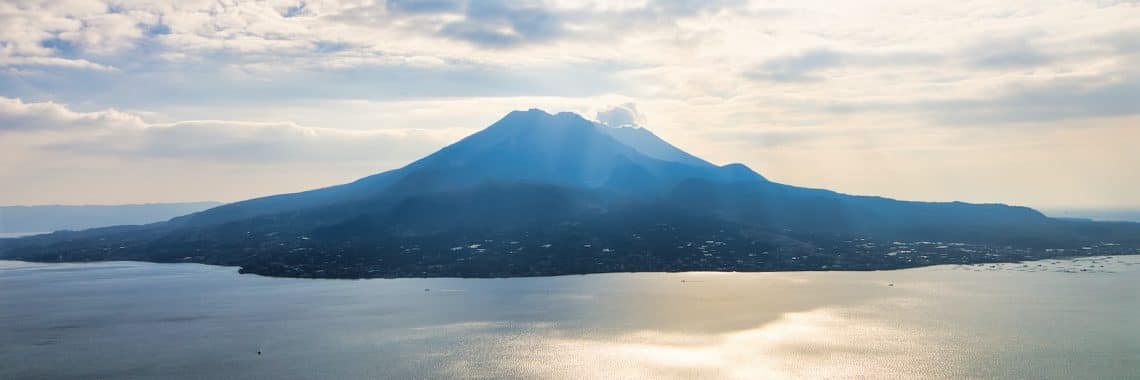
(827, 343)
(191, 321)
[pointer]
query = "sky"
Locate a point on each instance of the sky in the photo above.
(1032, 103)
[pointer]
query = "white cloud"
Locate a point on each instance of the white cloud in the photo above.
(813, 92)
(115, 133)
(625, 115)
(7, 60)
(16, 115)
(48, 145)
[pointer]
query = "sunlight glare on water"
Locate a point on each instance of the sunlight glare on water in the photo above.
(191, 321)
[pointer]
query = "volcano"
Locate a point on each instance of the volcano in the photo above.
(548, 194)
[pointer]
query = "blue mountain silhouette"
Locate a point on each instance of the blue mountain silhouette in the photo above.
(534, 178)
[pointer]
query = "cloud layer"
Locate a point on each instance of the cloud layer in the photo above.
(816, 93)
(115, 133)
(625, 115)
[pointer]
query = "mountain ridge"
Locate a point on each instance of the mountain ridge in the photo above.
(451, 163)
(542, 194)
(53, 217)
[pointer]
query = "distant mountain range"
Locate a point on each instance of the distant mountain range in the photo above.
(1101, 214)
(542, 194)
(48, 218)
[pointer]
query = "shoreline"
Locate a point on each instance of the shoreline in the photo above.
(241, 270)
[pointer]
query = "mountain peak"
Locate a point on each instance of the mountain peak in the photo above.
(532, 112)
(533, 178)
(523, 147)
(538, 113)
(635, 137)
(519, 121)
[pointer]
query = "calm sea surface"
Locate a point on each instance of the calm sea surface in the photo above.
(139, 320)
(4, 235)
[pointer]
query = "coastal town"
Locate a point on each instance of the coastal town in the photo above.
(526, 255)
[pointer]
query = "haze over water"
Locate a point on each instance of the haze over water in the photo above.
(141, 320)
